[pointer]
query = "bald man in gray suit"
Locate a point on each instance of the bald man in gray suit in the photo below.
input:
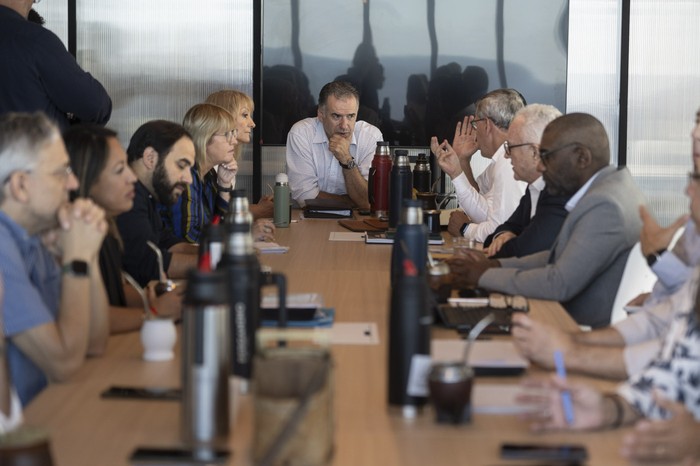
(583, 268)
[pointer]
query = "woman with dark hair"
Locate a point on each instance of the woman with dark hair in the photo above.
(100, 163)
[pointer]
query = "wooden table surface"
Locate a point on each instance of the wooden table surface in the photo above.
(353, 278)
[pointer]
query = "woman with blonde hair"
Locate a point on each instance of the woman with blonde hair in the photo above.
(213, 131)
(241, 106)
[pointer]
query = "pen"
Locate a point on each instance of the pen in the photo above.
(565, 394)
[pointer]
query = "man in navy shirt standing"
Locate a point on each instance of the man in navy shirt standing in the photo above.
(38, 73)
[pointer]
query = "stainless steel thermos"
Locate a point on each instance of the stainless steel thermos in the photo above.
(282, 207)
(205, 362)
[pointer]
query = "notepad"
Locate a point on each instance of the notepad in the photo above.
(270, 248)
(327, 208)
(388, 238)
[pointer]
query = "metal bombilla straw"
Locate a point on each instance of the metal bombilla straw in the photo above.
(478, 328)
(149, 311)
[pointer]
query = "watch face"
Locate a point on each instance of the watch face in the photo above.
(78, 268)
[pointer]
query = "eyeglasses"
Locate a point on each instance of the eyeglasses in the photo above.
(229, 135)
(63, 172)
(545, 154)
(508, 147)
(474, 122)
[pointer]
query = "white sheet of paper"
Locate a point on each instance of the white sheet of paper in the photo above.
(354, 333)
(270, 248)
(484, 353)
(357, 236)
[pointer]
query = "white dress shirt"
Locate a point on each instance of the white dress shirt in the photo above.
(311, 166)
(498, 196)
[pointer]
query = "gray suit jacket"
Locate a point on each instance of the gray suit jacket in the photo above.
(584, 267)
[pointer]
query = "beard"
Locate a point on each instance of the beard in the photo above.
(164, 188)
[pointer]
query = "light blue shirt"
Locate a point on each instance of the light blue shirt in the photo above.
(312, 167)
(32, 297)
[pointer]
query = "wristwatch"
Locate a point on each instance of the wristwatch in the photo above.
(463, 229)
(77, 268)
(351, 164)
(654, 256)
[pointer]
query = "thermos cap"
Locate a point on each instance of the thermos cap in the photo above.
(236, 193)
(412, 213)
(401, 158)
(281, 178)
(382, 143)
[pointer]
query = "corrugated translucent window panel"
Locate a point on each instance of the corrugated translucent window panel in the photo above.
(664, 96)
(55, 13)
(593, 76)
(157, 58)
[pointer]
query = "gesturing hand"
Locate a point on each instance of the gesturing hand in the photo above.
(653, 237)
(446, 157)
(464, 142)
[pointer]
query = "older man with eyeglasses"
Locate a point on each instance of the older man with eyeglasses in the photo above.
(55, 310)
(583, 268)
(488, 200)
(536, 221)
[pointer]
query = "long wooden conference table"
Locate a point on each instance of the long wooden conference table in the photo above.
(353, 278)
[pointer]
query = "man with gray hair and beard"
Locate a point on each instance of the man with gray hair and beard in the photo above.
(56, 312)
(490, 199)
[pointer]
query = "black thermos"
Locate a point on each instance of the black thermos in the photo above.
(400, 185)
(410, 240)
(410, 314)
(421, 174)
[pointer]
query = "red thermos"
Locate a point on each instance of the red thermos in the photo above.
(378, 187)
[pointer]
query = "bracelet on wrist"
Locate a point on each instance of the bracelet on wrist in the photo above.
(619, 410)
(222, 189)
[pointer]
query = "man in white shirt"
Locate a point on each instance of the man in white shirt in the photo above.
(330, 156)
(491, 198)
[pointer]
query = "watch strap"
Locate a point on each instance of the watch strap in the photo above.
(464, 227)
(77, 268)
(654, 257)
(349, 165)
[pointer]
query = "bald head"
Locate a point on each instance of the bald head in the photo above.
(583, 129)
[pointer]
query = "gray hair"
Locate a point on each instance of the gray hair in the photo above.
(500, 106)
(22, 136)
(537, 117)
